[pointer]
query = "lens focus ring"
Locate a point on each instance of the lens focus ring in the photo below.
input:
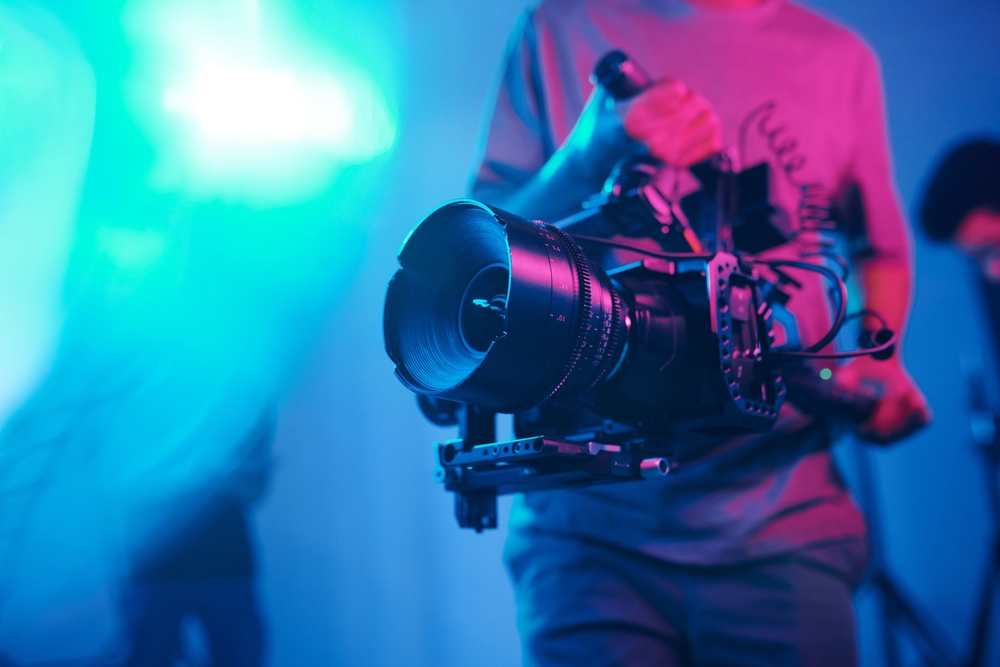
(598, 326)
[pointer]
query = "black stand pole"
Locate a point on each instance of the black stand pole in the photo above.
(899, 612)
(990, 453)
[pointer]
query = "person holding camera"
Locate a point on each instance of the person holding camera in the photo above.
(747, 557)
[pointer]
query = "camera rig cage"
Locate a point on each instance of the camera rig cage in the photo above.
(624, 348)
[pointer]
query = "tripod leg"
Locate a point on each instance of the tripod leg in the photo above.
(896, 608)
(888, 620)
(991, 458)
(929, 639)
(984, 613)
(888, 617)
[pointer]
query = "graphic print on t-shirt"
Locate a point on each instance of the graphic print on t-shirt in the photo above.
(765, 135)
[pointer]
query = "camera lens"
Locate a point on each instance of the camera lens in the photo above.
(490, 309)
(483, 310)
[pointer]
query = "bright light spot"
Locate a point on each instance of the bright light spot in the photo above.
(826, 374)
(265, 104)
(247, 110)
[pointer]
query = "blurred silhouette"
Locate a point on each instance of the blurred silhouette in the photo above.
(204, 570)
(961, 205)
(185, 314)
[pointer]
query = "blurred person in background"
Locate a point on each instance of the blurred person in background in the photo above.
(749, 557)
(961, 206)
(204, 570)
(140, 406)
(186, 312)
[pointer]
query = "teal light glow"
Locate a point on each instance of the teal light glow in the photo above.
(46, 120)
(185, 192)
(826, 374)
(130, 248)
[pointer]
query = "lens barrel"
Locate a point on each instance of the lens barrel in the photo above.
(491, 309)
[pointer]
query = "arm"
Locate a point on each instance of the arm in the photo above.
(524, 173)
(673, 122)
(577, 169)
(886, 273)
(902, 407)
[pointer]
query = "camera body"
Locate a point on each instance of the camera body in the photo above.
(632, 338)
(690, 357)
(622, 355)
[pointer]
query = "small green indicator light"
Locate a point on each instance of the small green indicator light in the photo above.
(826, 374)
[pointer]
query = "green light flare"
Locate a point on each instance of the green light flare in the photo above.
(245, 110)
(825, 374)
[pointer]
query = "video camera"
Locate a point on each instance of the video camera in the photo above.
(627, 340)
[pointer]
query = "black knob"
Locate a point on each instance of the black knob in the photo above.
(619, 76)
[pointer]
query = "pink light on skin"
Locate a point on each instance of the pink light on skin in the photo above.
(725, 4)
(979, 236)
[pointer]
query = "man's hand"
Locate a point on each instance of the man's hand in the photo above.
(677, 124)
(902, 407)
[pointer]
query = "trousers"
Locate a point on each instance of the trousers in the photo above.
(590, 604)
(225, 608)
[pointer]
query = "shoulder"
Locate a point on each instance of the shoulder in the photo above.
(541, 17)
(569, 16)
(827, 32)
(558, 10)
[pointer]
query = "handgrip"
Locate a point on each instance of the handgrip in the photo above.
(619, 76)
(826, 400)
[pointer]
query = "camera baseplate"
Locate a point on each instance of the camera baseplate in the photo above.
(477, 474)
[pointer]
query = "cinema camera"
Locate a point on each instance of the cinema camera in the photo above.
(623, 347)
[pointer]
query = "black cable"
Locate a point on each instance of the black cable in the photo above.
(841, 315)
(643, 251)
(811, 352)
(852, 353)
(845, 268)
(839, 355)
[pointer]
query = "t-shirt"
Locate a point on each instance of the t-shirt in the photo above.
(791, 88)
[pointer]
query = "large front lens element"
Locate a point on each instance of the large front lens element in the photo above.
(488, 308)
(482, 315)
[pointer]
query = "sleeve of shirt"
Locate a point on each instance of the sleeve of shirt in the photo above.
(887, 233)
(517, 142)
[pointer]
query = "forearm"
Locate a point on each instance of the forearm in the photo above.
(577, 169)
(888, 285)
(555, 191)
